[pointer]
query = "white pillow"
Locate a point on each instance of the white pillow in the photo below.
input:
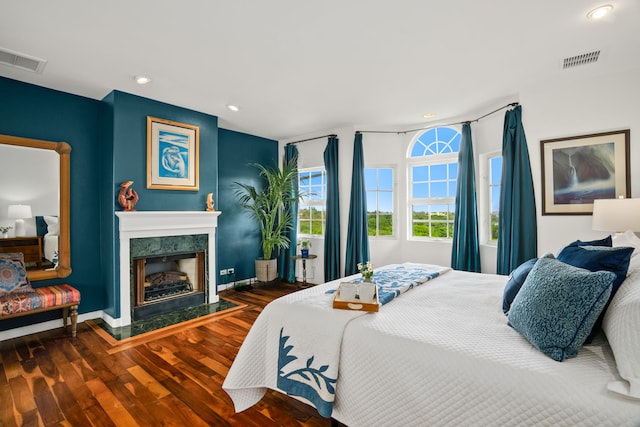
(629, 239)
(620, 325)
(52, 225)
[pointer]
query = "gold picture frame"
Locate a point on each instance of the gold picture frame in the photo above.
(172, 155)
(580, 169)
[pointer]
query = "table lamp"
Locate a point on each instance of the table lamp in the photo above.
(616, 215)
(19, 212)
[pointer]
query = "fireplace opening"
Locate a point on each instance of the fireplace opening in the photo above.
(167, 283)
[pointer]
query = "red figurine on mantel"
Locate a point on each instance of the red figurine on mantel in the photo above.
(127, 196)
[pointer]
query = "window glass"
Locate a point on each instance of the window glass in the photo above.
(379, 185)
(495, 177)
(312, 184)
(433, 182)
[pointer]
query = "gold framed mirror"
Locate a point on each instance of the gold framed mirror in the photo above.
(63, 151)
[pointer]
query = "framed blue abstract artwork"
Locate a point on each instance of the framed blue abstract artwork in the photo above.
(172, 155)
(580, 169)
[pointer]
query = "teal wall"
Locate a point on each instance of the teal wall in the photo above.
(34, 112)
(108, 141)
(126, 126)
(238, 233)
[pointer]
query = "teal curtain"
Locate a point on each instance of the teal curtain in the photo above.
(357, 235)
(465, 254)
(286, 265)
(517, 227)
(332, 226)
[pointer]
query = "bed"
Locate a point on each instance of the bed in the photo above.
(441, 353)
(47, 227)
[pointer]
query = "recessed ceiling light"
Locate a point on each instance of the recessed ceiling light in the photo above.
(429, 115)
(600, 11)
(142, 80)
(233, 107)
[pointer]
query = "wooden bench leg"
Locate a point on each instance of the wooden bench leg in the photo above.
(65, 314)
(74, 319)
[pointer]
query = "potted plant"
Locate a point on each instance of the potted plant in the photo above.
(4, 230)
(270, 206)
(304, 244)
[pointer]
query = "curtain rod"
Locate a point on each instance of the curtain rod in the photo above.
(513, 104)
(333, 135)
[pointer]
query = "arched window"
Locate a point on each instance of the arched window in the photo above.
(433, 171)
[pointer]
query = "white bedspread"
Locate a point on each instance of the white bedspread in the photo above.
(306, 365)
(444, 355)
(50, 248)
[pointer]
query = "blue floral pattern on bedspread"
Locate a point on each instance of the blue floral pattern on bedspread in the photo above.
(308, 382)
(398, 280)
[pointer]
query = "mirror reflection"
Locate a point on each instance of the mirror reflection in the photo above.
(34, 204)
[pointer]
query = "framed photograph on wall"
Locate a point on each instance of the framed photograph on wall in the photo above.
(580, 169)
(172, 155)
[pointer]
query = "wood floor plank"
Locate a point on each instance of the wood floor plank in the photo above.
(111, 405)
(46, 403)
(7, 414)
(69, 405)
(26, 411)
(171, 377)
(145, 379)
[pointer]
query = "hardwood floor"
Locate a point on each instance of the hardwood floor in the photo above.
(170, 377)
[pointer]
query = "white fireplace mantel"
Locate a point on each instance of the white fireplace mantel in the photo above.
(141, 224)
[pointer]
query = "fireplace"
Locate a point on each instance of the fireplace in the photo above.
(151, 239)
(165, 283)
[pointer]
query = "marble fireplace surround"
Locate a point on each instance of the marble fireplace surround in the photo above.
(141, 224)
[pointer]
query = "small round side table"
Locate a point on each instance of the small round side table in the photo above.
(304, 266)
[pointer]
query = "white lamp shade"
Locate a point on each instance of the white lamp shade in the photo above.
(616, 215)
(19, 211)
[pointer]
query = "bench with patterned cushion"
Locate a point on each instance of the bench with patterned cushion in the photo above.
(18, 298)
(46, 298)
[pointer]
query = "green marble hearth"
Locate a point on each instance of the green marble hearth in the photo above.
(140, 327)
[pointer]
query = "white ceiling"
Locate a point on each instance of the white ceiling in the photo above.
(296, 67)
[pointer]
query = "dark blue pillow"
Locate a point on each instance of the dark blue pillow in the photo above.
(597, 258)
(41, 226)
(558, 305)
(516, 279)
(601, 242)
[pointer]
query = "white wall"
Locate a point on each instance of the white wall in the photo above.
(577, 102)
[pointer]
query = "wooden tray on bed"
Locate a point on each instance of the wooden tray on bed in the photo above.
(371, 306)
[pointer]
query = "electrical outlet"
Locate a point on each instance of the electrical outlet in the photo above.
(223, 272)
(231, 270)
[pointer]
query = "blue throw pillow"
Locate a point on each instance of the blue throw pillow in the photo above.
(41, 226)
(597, 258)
(607, 241)
(13, 275)
(516, 279)
(558, 305)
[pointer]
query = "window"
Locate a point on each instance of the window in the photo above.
(433, 172)
(495, 177)
(379, 187)
(312, 183)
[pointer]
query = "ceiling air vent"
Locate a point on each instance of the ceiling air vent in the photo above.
(21, 61)
(584, 59)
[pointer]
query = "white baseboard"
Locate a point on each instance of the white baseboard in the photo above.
(45, 326)
(231, 285)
